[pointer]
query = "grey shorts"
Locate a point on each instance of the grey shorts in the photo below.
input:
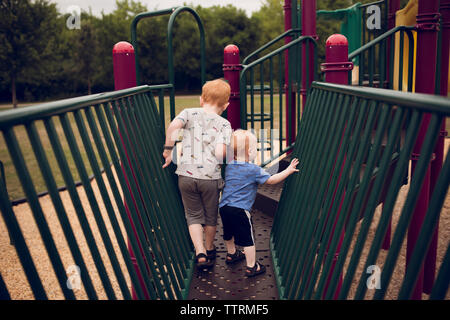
(200, 199)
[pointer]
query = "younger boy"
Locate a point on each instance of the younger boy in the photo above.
(205, 137)
(241, 182)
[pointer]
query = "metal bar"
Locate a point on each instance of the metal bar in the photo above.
(4, 294)
(10, 118)
(417, 101)
(333, 202)
(90, 195)
(443, 279)
(375, 194)
(287, 33)
(318, 178)
(167, 242)
(68, 179)
(138, 151)
(271, 109)
(145, 214)
(108, 206)
(178, 223)
(59, 208)
(406, 215)
(400, 62)
(20, 245)
(38, 214)
(116, 193)
(428, 227)
(137, 238)
(397, 182)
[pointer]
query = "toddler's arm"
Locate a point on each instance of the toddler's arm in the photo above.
(171, 132)
(277, 178)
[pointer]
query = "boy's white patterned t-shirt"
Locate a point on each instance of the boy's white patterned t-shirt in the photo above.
(202, 131)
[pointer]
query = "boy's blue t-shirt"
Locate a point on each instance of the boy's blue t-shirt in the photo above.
(241, 183)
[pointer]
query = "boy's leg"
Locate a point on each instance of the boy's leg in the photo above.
(196, 233)
(194, 211)
(209, 192)
(210, 234)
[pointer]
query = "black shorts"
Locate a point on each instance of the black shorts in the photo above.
(237, 223)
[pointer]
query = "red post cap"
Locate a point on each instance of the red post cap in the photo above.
(336, 49)
(337, 40)
(123, 47)
(231, 49)
(231, 55)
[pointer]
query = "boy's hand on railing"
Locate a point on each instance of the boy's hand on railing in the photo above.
(293, 166)
(167, 154)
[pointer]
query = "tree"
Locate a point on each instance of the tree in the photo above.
(270, 19)
(27, 32)
(85, 57)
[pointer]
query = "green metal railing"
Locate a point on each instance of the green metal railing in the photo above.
(135, 200)
(264, 79)
(354, 147)
(376, 60)
(273, 42)
(174, 12)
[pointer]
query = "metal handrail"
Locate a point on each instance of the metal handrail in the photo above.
(270, 43)
(345, 131)
(295, 77)
(174, 12)
(419, 101)
(379, 39)
(22, 115)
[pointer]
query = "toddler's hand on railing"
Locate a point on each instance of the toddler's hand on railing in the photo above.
(293, 166)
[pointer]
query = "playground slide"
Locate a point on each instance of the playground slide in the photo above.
(405, 17)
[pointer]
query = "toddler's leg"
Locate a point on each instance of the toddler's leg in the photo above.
(231, 247)
(250, 256)
(254, 268)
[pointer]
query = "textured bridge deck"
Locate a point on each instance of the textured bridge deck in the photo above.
(224, 282)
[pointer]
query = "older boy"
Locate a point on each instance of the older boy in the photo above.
(205, 137)
(241, 182)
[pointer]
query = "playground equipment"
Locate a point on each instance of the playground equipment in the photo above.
(355, 144)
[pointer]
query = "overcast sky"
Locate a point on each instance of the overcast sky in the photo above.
(109, 5)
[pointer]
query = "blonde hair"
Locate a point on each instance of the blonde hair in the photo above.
(216, 92)
(244, 145)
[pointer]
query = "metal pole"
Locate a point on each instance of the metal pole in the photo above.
(125, 77)
(231, 71)
(336, 70)
(393, 7)
(308, 29)
(290, 101)
(427, 36)
(436, 165)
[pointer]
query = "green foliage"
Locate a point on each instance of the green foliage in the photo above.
(28, 41)
(50, 61)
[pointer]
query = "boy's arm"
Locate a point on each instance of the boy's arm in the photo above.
(221, 152)
(224, 139)
(277, 178)
(171, 133)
